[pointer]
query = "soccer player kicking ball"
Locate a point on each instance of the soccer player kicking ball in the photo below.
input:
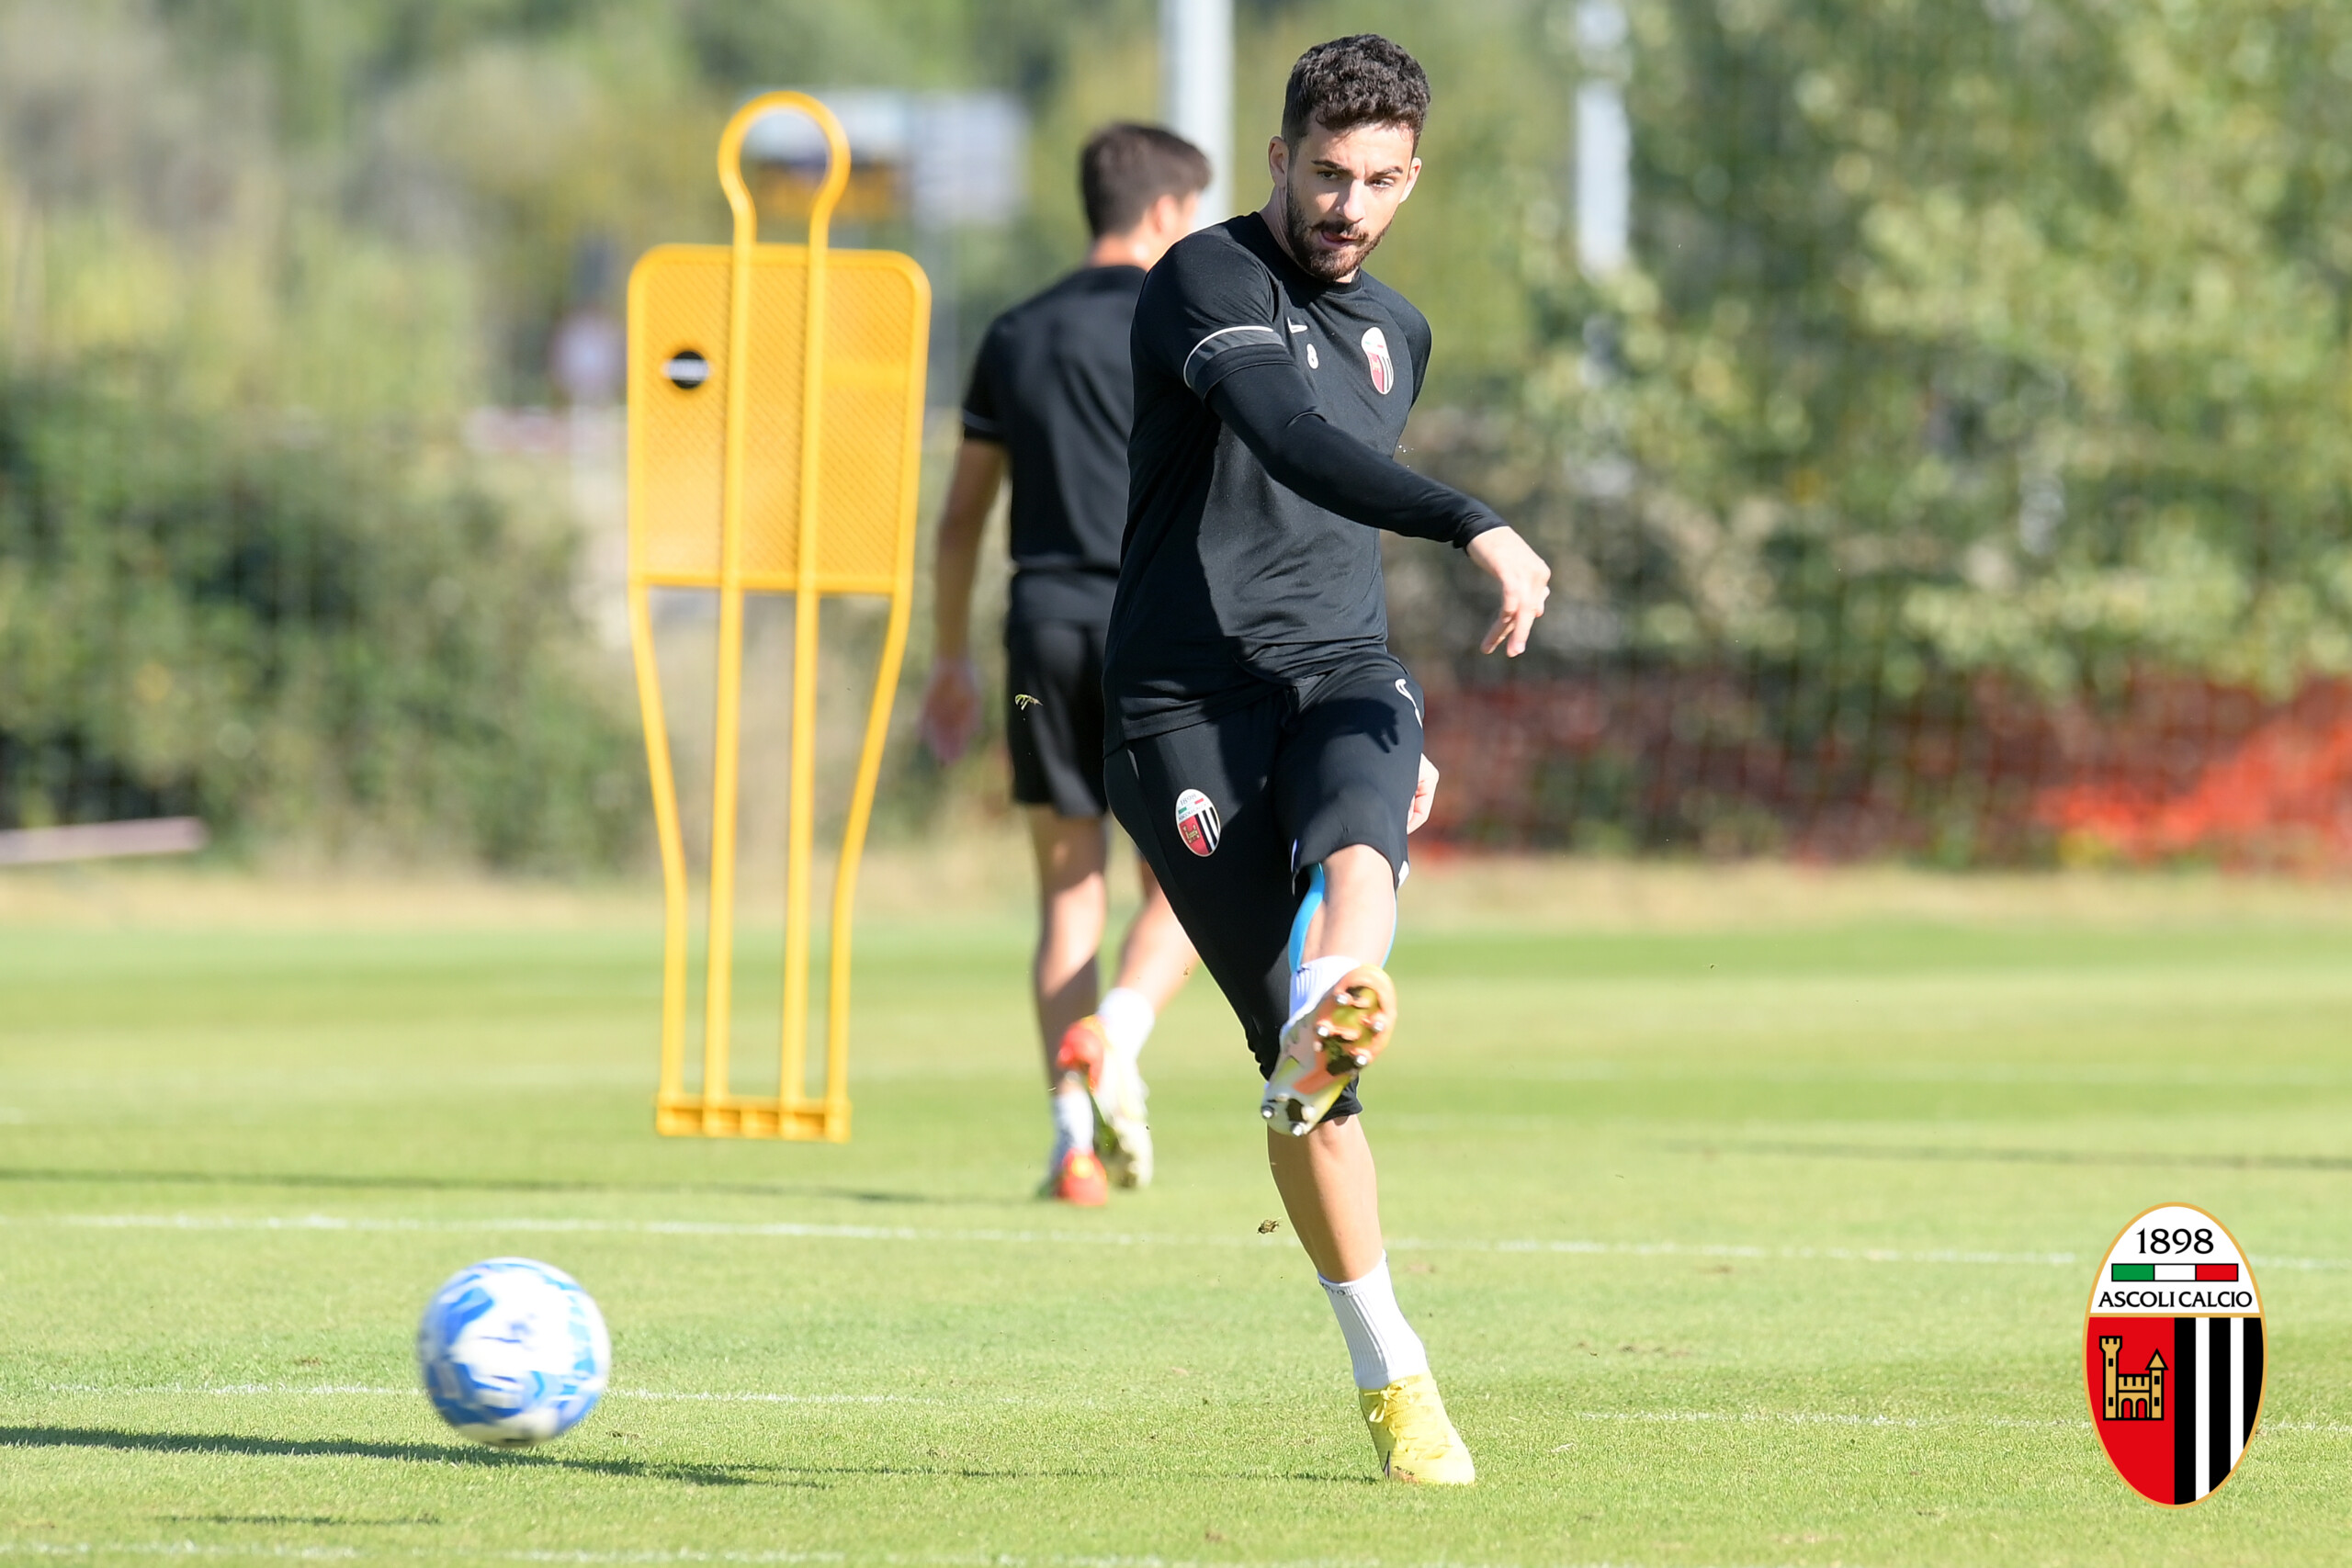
(1267, 748)
(1051, 397)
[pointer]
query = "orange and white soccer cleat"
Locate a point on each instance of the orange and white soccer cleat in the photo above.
(1083, 1048)
(1081, 1182)
(1326, 1046)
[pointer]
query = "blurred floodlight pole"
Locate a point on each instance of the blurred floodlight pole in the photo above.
(1196, 90)
(1604, 142)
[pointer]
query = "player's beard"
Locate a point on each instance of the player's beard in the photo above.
(1317, 261)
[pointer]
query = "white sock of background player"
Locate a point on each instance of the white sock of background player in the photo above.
(1073, 1124)
(1126, 1016)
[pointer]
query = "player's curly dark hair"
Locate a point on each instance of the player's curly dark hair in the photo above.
(1362, 80)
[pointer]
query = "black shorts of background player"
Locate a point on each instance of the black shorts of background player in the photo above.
(1266, 747)
(1050, 400)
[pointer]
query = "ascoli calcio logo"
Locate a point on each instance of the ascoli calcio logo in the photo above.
(1196, 822)
(1375, 354)
(2173, 1349)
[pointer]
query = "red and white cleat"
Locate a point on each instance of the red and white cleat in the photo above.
(1328, 1045)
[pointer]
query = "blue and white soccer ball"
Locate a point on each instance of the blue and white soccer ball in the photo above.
(513, 1352)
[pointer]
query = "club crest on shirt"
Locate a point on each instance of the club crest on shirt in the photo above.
(1196, 822)
(2173, 1354)
(1375, 354)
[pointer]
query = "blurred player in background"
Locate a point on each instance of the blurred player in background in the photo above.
(1051, 399)
(1267, 746)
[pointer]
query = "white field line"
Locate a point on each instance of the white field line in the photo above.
(797, 1231)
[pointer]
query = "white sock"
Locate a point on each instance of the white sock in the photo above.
(1311, 979)
(1073, 1124)
(1126, 1016)
(1382, 1346)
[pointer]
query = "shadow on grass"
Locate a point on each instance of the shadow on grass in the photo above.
(412, 1453)
(298, 1180)
(814, 1477)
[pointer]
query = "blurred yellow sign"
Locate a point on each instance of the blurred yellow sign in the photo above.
(775, 445)
(875, 193)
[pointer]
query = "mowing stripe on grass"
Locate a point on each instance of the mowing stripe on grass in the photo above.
(364, 1389)
(87, 1549)
(352, 1553)
(1819, 1419)
(1660, 1417)
(1837, 1418)
(799, 1230)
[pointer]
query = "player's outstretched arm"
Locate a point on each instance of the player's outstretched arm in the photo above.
(951, 703)
(1271, 409)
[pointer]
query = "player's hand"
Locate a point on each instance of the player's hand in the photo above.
(1424, 796)
(950, 708)
(1525, 580)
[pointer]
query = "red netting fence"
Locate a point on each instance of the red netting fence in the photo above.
(2169, 769)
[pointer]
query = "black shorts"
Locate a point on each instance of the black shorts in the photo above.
(1289, 780)
(1056, 738)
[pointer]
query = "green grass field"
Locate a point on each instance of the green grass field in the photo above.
(1764, 1244)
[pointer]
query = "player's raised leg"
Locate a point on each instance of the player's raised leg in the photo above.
(1343, 1003)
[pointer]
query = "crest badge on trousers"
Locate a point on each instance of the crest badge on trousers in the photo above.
(1196, 822)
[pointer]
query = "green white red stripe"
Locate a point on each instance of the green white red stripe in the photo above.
(2172, 1273)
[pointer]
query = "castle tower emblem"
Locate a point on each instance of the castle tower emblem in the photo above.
(2132, 1396)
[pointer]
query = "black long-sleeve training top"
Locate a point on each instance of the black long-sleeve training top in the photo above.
(1268, 409)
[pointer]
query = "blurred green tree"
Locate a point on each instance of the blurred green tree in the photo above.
(2006, 337)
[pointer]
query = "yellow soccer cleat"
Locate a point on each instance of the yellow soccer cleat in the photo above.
(1328, 1045)
(1412, 1435)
